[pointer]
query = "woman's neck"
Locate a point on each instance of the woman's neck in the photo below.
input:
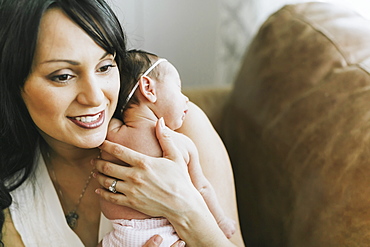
(68, 155)
(70, 170)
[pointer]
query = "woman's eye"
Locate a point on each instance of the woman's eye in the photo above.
(106, 68)
(64, 78)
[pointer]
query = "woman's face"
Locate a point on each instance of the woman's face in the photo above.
(72, 91)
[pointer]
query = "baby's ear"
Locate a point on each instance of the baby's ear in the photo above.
(148, 88)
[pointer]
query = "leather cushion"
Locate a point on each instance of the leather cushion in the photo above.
(297, 128)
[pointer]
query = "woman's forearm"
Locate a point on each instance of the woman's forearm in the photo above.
(215, 163)
(197, 226)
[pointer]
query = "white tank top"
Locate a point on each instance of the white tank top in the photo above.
(38, 215)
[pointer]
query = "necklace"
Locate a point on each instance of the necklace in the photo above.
(71, 216)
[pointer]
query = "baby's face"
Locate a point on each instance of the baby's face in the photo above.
(172, 105)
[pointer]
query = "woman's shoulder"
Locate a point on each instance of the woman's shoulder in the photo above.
(10, 236)
(196, 124)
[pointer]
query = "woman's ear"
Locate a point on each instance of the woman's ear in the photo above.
(148, 88)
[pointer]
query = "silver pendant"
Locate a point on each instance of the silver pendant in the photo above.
(72, 218)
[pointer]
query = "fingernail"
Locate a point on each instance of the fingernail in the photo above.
(181, 244)
(164, 128)
(161, 123)
(157, 240)
(92, 162)
(97, 191)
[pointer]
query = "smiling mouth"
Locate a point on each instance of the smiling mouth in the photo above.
(89, 121)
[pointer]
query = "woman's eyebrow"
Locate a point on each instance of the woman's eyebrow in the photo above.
(61, 60)
(70, 61)
(105, 54)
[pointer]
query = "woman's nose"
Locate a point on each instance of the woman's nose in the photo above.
(90, 92)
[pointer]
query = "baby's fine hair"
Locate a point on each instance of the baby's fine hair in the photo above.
(137, 62)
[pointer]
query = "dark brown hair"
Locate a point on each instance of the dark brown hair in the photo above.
(20, 20)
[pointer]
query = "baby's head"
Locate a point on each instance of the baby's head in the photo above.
(153, 81)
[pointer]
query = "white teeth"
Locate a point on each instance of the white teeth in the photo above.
(88, 119)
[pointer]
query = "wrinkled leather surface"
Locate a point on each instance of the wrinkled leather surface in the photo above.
(297, 127)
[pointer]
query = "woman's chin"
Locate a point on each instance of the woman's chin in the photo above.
(91, 142)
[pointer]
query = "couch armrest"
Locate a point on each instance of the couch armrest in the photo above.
(211, 100)
(297, 128)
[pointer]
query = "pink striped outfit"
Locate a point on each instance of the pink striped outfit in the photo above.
(135, 233)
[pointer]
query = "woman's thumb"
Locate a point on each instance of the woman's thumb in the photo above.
(169, 149)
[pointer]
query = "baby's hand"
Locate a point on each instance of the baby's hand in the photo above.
(228, 226)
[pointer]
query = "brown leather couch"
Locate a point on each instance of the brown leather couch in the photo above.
(297, 127)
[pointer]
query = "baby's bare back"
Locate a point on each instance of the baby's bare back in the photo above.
(141, 138)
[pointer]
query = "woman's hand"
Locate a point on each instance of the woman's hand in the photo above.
(156, 241)
(154, 186)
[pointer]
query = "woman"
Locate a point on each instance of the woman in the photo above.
(59, 88)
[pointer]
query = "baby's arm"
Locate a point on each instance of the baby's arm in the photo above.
(227, 225)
